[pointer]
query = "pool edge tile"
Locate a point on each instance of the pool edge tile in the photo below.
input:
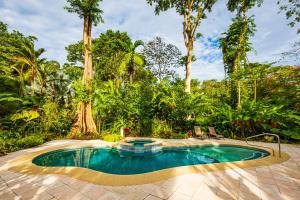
(23, 164)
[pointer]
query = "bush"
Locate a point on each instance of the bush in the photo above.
(112, 138)
(30, 141)
(179, 136)
(55, 119)
(8, 145)
(161, 129)
(5, 135)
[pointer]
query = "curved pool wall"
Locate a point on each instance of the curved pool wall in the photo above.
(109, 160)
(140, 147)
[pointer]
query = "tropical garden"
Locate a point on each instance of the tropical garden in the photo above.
(110, 82)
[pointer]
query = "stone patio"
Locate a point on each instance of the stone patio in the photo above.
(278, 181)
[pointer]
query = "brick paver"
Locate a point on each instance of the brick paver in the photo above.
(278, 181)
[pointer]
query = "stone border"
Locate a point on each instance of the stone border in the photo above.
(126, 147)
(126, 141)
(23, 164)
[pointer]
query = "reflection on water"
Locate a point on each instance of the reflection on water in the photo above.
(108, 160)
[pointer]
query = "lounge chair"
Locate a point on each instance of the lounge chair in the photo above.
(199, 133)
(212, 133)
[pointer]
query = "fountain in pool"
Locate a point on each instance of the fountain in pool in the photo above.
(140, 147)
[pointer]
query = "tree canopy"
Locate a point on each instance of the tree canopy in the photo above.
(86, 8)
(291, 8)
(192, 11)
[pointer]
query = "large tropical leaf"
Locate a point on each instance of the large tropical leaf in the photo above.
(10, 99)
(139, 59)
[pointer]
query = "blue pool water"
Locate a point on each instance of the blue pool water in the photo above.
(108, 160)
(140, 143)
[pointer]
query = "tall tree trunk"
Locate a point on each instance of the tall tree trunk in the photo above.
(188, 67)
(240, 51)
(85, 123)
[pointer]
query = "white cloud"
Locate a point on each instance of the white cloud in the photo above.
(56, 28)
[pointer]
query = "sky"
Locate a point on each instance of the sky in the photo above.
(55, 28)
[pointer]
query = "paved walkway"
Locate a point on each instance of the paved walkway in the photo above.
(278, 181)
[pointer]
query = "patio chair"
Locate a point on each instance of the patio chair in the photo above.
(199, 133)
(212, 133)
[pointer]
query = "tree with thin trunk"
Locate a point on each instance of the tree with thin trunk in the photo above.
(132, 59)
(192, 11)
(91, 13)
(235, 44)
(46, 71)
(19, 58)
(26, 57)
(162, 58)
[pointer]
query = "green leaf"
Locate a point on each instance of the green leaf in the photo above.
(295, 136)
(139, 60)
(199, 35)
(11, 99)
(25, 115)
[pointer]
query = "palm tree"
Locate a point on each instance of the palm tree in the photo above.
(13, 74)
(91, 13)
(27, 58)
(45, 71)
(59, 88)
(132, 59)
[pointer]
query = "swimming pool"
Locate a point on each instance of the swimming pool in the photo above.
(108, 160)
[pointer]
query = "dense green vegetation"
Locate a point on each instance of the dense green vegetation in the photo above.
(135, 85)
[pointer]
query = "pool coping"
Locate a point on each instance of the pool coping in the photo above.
(23, 164)
(154, 141)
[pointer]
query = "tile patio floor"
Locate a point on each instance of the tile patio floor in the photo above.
(279, 181)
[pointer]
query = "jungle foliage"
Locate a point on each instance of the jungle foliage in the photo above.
(135, 85)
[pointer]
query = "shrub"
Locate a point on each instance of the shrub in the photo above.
(179, 136)
(112, 138)
(14, 144)
(30, 141)
(7, 146)
(161, 129)
(56, 119)
(5, 135)
(81, 136)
